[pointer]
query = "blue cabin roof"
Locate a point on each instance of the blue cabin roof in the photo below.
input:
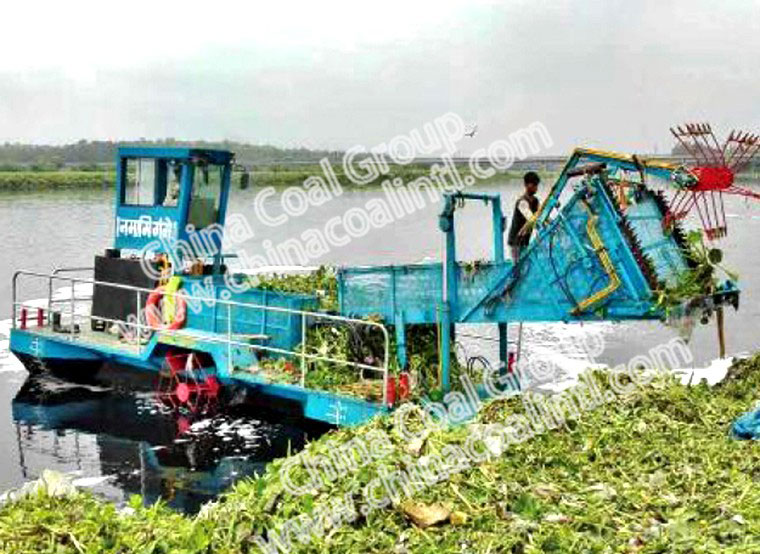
(176, 153)
(179, 191)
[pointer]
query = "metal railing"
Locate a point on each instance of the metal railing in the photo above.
(58, 271)
(142, 328)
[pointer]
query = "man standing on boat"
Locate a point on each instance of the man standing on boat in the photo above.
(525, 207)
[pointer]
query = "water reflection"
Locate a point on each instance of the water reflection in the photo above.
(120, 442)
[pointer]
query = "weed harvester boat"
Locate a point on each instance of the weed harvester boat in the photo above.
(605, 248)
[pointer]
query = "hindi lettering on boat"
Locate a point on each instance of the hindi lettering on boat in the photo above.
(146, 226)
(164, 228)
(133, 227)
(121, 226)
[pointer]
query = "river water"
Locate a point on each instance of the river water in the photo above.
(118, 442)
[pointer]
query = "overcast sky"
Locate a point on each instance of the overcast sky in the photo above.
(611, 74)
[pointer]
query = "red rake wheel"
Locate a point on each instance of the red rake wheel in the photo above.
(211, 387)
(183, 425)
(169, 380)
(166, 389)
(701, 188)
(709, 207)
(183, 392)
(184, 384)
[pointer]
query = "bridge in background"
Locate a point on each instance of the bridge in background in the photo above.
(540, 163)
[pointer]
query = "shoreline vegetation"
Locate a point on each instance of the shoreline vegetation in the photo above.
(89, 164)
(274, 176)
(40, 180)
(43, 180)
(652, 471)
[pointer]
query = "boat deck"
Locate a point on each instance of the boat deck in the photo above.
(86, 336)
(269, 372)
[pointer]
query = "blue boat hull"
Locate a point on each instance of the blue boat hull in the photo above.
(79, 360)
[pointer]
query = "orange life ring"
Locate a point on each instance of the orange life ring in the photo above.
(153, 312)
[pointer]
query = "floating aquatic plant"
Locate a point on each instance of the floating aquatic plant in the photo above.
(655, 471)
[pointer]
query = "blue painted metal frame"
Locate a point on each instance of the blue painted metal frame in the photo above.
(545, 285)
(615, 161)
(157, 227)
(323, 406)
(208, 325)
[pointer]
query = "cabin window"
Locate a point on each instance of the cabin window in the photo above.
(207, 192)
(140, 181)
(173, 180)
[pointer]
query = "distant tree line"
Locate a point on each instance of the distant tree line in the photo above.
(96, 154)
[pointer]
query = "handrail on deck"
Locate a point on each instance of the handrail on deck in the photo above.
(59, 270)
(229, 341)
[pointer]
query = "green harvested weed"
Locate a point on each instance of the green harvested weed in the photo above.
(698, 281)
(322, 283)
(652, 472)
(348, 342)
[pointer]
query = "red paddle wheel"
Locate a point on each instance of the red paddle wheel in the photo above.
(184, 383)
(701, 188)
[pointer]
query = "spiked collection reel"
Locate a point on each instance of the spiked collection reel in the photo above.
(701, 188)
